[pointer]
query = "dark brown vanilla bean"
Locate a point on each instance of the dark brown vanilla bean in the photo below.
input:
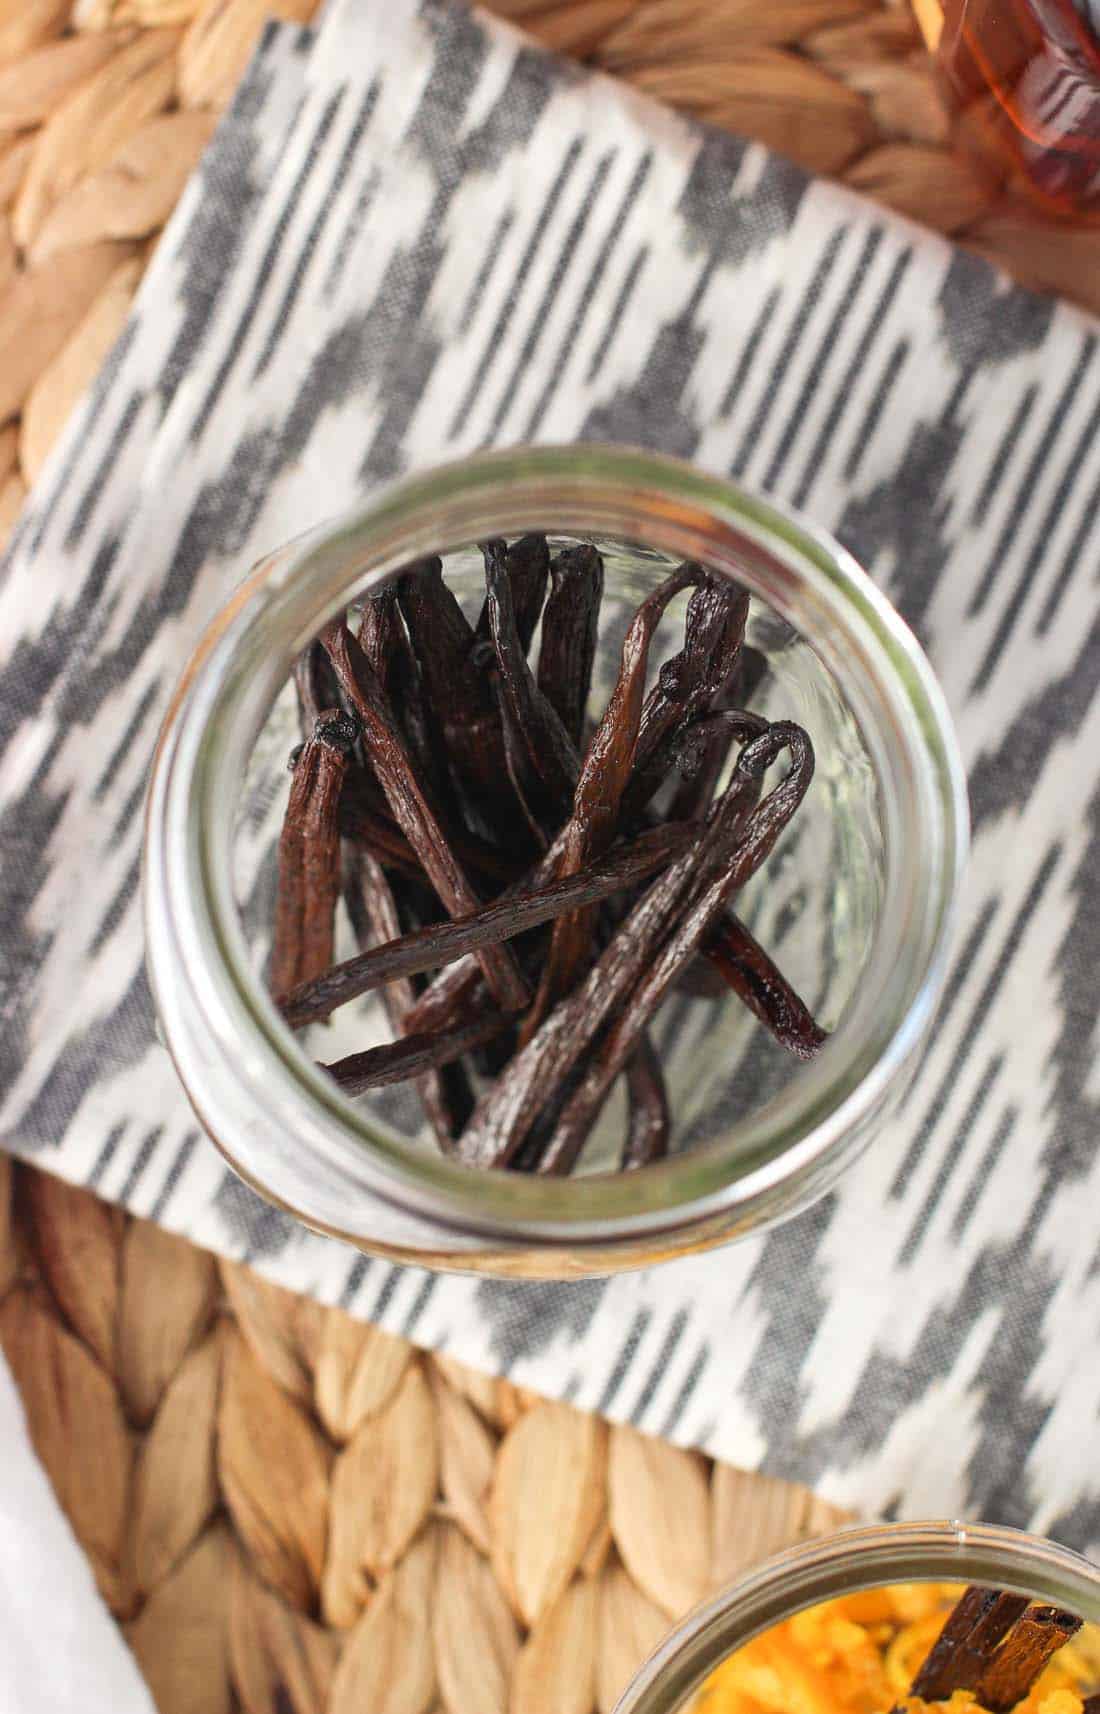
(444, 1092)
(412, 810)
(570, 630)
(454, 991)
(411, 1056)
(461, 793)
(687, 685)
(1022, 1656)
(648, 1122)
(460, 985)
(506, 1113)
(720, 873)
(309, 855)
(457, 986)
(441, 943)
(382, 636)
(748, 970)
(688, 749)
(316, 686)
(527, 563)
(695, 791)
(964, 1648)
(603, 780)
(540, 748)
(365, 817)
(459, 691)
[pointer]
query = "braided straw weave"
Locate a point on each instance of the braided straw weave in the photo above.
(291, 1512)
(288, 1511)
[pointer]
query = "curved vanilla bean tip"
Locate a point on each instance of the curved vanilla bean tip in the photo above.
(338, 729)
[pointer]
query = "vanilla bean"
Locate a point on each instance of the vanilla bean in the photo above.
(459, 693)
(444, 1092)
(721, 872)
(527, 563)
(1022, 1656)
(754, 978)
(688, 749)
(971, 1634)
(603, 780)
(647, 1100)
(714, 630)
(412, 809)
(316, 686)
(514, 914)
(540, 749)
(309, 855)
(570, 629)
(411, 1056)
(365, 817)
(505, 1114)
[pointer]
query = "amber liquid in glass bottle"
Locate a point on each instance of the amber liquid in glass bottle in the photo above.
(1024, 78)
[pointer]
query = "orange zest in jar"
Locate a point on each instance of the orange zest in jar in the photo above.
(860, 1653)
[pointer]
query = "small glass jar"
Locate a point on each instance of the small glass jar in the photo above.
(875, 879)
(863, 1557)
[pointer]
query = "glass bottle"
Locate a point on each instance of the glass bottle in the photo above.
(1023, 78)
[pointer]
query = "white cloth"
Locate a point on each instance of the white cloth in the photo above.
(60, 1650)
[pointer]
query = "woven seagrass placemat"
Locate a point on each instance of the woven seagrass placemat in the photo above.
(289, 1511)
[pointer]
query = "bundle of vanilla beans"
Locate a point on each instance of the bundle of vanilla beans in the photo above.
(994, 1644)
(482, 830)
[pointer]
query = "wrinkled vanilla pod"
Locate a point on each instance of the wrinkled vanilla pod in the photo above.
(309, 855)
(411, 1056)
(444, 1091)
(459, 691)
(603, 780)
(527, 564)
(722, 868)
(543, 754)
(506, 1113)
(491, 840)
(412, 810)
(438, 944)
(570, 631)
(687, 685)
(746, 968)
(648, 1123)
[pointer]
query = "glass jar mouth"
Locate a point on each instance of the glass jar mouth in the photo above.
(859, 1557)
(220, 1026)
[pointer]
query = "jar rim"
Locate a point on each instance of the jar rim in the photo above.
(861, 1556)
(226, 1037)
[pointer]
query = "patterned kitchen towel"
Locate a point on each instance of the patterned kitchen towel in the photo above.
(415, 234)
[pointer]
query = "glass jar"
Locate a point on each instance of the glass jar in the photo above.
(862, 1557)
(1022, 79)
(880, 862)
